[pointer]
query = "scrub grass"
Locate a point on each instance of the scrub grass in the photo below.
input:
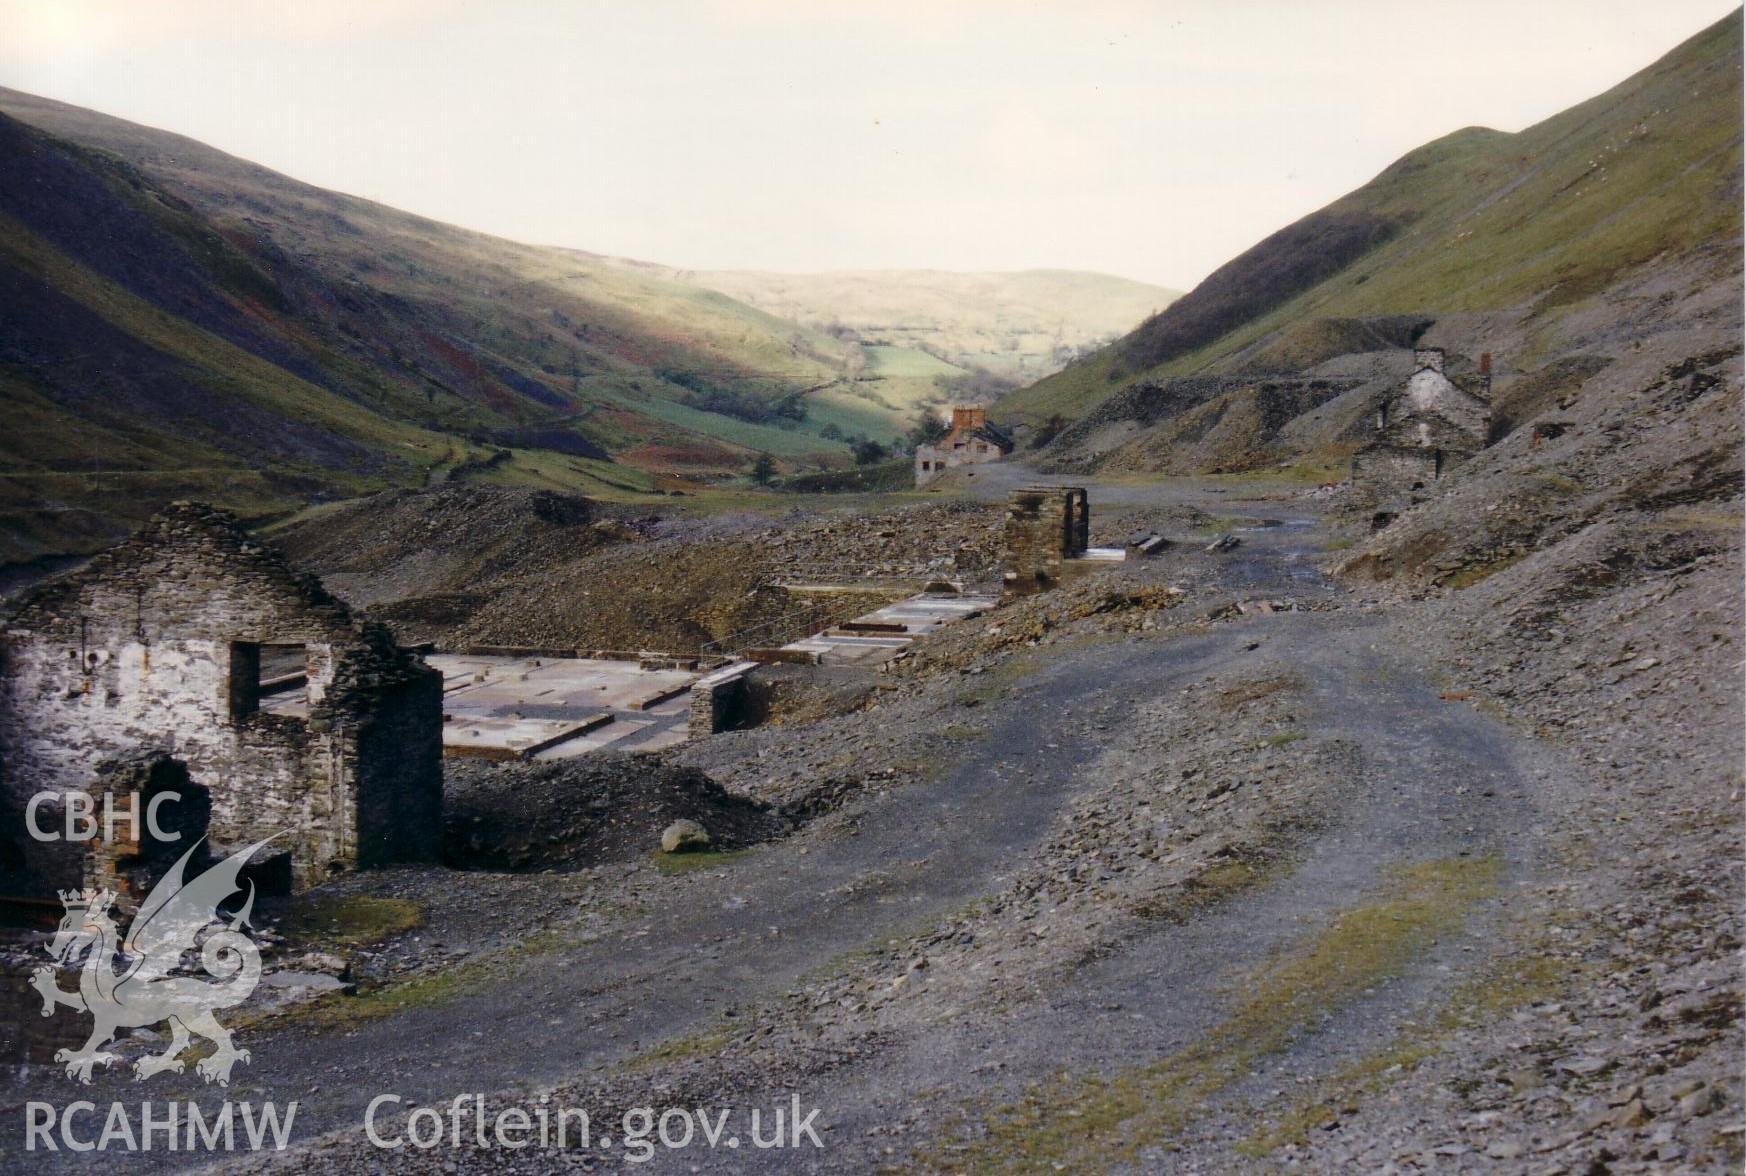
(1090, 1122)
(1256, 689)
(425, 990)
(1507, 985)
(349, 921)
(1478, 573)
(699, 1043)
(673, 864)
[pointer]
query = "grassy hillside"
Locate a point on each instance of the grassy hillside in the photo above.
(180, 322)
(1018, 326)
(1536, 224)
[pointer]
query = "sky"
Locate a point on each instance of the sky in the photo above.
(1154, 140)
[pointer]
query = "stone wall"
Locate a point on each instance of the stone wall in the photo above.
(1425, 429)
(1044, 527)
(154, 644)
(930, 463)
(969, 441)
(1386, 472)
(131, 861)
(1430, 431)
(398, 752)
(933, 460)
(718, 700)
(1430, 394)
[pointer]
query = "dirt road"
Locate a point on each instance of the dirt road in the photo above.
(1423, 781)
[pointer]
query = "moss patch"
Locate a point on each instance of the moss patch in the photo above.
(993, 684)
(700, 1043)
(1215, 884)
(1091, 1122)
(688, 863)
(1473, 574)
(348, 921)
(1256, 689)
(1700, 520)
(1507, 985)
(429, 989)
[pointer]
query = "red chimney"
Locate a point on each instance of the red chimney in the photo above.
(966, 417)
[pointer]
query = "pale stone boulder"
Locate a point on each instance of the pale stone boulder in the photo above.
(684, 836)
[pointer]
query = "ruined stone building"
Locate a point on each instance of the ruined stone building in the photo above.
(971, 441)
(1421, 432)
(1045, 526)
(155, 667)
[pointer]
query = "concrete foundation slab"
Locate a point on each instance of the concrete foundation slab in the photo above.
(554, 708)
(876, 636)
(493, 737)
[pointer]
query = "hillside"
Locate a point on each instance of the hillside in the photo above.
(491, 565)
(180, 323)
(1019, 326)
(1551, 248)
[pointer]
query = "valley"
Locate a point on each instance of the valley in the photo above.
(1014, 862)
(1018, 327)
(1293, 725)
(260, 342)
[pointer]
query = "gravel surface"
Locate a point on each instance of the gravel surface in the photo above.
(1202, 863)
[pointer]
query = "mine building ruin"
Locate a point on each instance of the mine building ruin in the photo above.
(1422, 431)
(147, 668)
(1044, 528)
(970, 441)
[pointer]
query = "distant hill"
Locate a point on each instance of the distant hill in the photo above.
(1019, 326)
(1550, 248)
(175, 322)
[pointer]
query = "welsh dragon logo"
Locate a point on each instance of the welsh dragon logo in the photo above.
(128, 983)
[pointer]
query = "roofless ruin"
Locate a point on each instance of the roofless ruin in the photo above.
(164, 647)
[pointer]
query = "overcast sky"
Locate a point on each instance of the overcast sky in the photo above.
(1153, 140)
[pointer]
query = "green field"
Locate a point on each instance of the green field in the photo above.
(898, 362)
(1020, 325)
